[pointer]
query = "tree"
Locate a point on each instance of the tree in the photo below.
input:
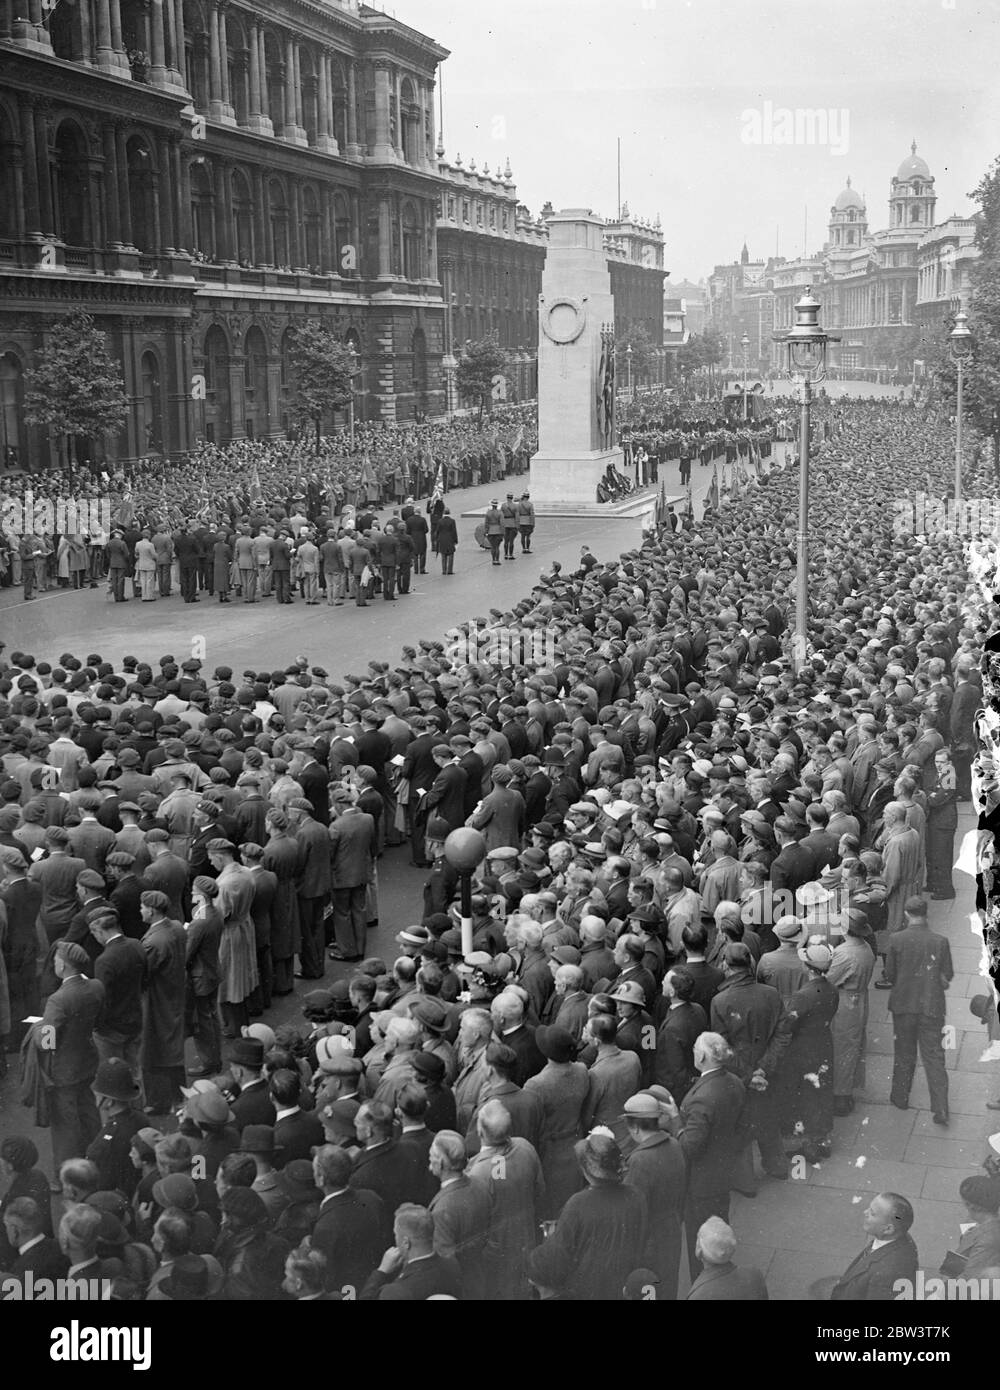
(981, 393)
(322, 370)
(477, 369)
(75, 385)
(636, 337)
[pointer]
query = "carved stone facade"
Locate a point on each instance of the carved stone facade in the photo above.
(203, 176)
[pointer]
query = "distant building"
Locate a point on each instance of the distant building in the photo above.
(883, 291)
(741, 301)
(692, 298)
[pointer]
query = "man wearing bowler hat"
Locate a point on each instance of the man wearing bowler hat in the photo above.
(656, 1167)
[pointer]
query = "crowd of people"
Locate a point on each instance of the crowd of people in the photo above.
(702, 852)
(287, 482)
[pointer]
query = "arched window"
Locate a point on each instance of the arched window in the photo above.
(310, 229)
(246, 252)
(255, 384)
(413, 259)
(202, 210)
(12, 449)
(150, 405)
(197, 53)
(411, 118)
(419, 350)
(342, 235)
(72, 202)
(310, 94)
(136, 36)
(915, 213)
(62, 22)
(279, 223)
(141, 194)
(218, 411)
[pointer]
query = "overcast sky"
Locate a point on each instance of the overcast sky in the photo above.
(553, 83)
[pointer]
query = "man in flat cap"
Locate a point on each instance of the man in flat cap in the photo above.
(67, 1054)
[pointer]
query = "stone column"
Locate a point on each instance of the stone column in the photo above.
(124, 205)
(259, 234)
(117, 43)
(32, 208)
(105, 51)
(165, 195)
(17, 161)
(288, 133)
(262, 122)
(182, 195)
(397, 95)
(85, 36)
(214, 65)
(300, 124)
(254, 111)
(384, 237)
(158, 56)
(224, 213)
(180, 49)
(110, 189)
(353, 150)
(45, 207)
(296, 232)
(326, 230)
(323, 99)
(383, 148)
(228, 114)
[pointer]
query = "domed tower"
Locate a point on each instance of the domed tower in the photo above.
(848, 220)
(912, 197)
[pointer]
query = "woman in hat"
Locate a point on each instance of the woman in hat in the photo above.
(18, 1159)
(561, 1086)
(602, 1228)
(850, 974)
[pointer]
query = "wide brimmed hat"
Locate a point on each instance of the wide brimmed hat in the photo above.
(600, 1158)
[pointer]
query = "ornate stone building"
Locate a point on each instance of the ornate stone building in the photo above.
(202, 176)
(883, 291)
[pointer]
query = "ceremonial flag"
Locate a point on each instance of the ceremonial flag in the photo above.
(368, 478)
(256, 491)
(438, 484)
(690, 502)
(734, 490)
(713, 491)
(518, 441)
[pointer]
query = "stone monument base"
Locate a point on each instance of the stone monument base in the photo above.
(566, 482)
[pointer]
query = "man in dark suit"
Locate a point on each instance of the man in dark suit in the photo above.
(126, 894)
(676, 1036)
(68, 1055)
(446, 797)
(313, 778)
(411, 1271)
(711, 1137)
(383, 1166)
(253, 1105)
(281, 568)
(918, 966)
(313, 884)
(416, 1139)
(416, 526)
(961, 728)
(22, 900)
(121, 969)
(188, 552)
(889, 1256)
(296, 1131)
(24, 1224)
(794, 864)
(352, 854)
(350, 1224)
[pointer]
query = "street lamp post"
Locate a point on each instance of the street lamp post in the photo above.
(628, 359)
(465, 850)
(807, 345)
(960, 343)
(745, 344)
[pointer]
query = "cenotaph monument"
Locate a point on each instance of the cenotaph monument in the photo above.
(576, 367)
